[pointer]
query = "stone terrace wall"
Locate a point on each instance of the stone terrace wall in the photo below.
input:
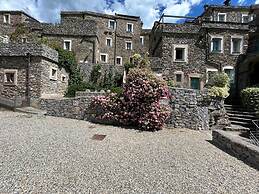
(188, 109)
(73, 108)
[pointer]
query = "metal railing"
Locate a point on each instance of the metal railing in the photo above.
(254, 133)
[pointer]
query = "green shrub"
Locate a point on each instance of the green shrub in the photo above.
(170, 83)
(72, 89)
(215, 91)
(219, 80)
(250, 98)
(117, 90)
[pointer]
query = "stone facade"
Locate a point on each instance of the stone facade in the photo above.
(26, 73)
(208, 44)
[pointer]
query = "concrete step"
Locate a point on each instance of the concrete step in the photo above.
(241, 112)
(248, 116)
(240, 119)
(237, 128)
(31, 110)
(243, 124)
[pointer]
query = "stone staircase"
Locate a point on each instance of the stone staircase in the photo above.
(240, 118)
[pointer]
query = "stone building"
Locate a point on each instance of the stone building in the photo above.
(29, 72)
(9, 20)
(193, 50)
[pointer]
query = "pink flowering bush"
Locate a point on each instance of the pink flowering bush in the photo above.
(139, 105)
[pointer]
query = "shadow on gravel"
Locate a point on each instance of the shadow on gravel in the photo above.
(242, 158)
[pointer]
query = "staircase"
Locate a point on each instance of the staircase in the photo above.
(240, 118)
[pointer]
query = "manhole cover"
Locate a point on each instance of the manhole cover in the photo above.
(98, 137)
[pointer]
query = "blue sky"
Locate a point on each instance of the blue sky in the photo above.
(149, 10)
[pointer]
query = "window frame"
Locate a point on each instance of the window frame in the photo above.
(109, 24)
(9, 18)
(119, 57)
(106, 58)
(55, 77)
(15, 72)
(222, 43)
(181, 46)
(63, 76)
(242, 18)
(241, 44)
(225, 17)
(110, 42)
(132, 27)
(179, 73)
(64, 44)
(126, 45)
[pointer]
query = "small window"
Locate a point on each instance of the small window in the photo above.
(10, 77)
(104, 58)
(217, 45)
(118, 60)
(131, 60)
(236, 45)
(112, 24)
(221, 17)
(245, 18)
(7, 19)
(179, 54)
(63, 78)
(210, 73)
(109, 42)
(178, 77)
(67, 45)
(53, 73)
(129, 45)
(230, 71)
(129, 27)
(24, 40)
(142, 40)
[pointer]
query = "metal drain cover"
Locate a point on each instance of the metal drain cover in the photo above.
(98, 137)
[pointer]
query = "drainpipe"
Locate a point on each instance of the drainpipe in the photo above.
(115, 43)
(27, 93)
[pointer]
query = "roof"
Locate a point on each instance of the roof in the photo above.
(25, 49)
(71, 27)
(18, 12)
(227, 7)
(121, 16)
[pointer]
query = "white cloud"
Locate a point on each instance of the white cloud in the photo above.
(49, 10)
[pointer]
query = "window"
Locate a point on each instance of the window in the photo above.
(178, 77)
(131, 60)
(67, 45)
(112, 24)
(180, 53)
(24, 40)
(63, 78)
(222, 17)
(109, 42)
(236, 45)
(217, 44)
(7, 19)
(129, 27)
(53, 73)
(104, 57)
(129, 45)
(4, 39)
(142, 40)
(210, 72)
(10, 77)
(118, 60)
(245, 18)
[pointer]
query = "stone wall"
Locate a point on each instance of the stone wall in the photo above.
(73, 108)
(238, 146)
(189, 109)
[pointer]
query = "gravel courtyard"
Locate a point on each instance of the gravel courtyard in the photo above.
(57, 155)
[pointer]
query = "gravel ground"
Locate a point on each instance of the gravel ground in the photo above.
(57, 155)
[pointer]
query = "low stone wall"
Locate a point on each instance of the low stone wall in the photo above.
(73, 108)
(89, 93)
(188, 109)
(237, 146)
